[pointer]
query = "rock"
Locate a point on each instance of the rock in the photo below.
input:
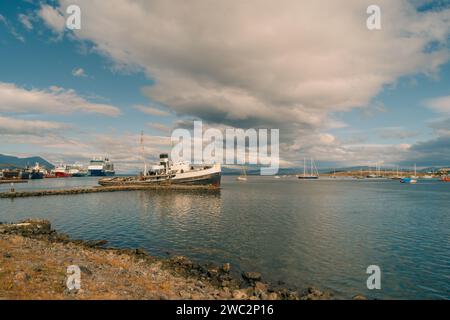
(27, 227)
(95, 243)
(162, 296)
(226, 267)
(140, 252)
(315, 294)
(359, 297)
(239, 295)
(213, 272)
(314, 291)
(260, 286)
(21, 277)
(260, 290)
(38, 268)
(85, 270)
(272, 296)
(251, 276)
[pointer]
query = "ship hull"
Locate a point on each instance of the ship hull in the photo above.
(62, 175)
(36, 175)
(79, 174)
(101, 173)
(308, 178)
(209, 179)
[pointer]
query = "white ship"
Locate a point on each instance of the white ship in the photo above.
(167, 172)
(101, 167)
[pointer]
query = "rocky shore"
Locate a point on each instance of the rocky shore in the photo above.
(34, 260)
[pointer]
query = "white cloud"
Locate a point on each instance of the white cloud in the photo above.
(18, 126)
(79, 72)
(53, 18)
(280, 64)
(266, 62)
(441, 104)
(159, 126)
(151, 111)
(57, 100)
(11, 29)
(26, 21)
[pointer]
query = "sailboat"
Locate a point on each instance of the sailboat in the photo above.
(397, 176)
(415, 172)
(412, 179)
(243, 176)
(313, 174)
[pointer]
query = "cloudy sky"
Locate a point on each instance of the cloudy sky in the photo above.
(337, 91)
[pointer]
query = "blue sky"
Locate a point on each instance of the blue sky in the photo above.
(166, 61)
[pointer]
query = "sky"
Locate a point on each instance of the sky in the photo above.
(337, 91)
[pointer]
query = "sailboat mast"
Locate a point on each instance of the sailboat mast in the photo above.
(143, 152)
(304, 167)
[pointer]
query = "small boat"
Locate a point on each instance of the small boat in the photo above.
(445, 179)
(312, 175)
(408, 180)
(243, 176)
(276, 177)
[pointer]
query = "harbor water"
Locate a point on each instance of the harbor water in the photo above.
(322, 233)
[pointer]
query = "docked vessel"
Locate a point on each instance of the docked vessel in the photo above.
(11, 174)
(408, 180)
(36, 172)
(62, 171)
(445, 179)
(169, 173)
(100, 167)
(313, 174)
(77, 170)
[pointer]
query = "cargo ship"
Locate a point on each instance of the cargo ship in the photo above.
(62, 171)
(77, 170)
(169, 173)
(100, 167)
(36, 172)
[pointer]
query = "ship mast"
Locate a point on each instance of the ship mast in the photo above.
(143, 153)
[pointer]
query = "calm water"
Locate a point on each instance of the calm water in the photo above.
(321, 233)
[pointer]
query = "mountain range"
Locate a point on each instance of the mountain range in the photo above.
(12, 162)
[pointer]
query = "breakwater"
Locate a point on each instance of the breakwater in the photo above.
(13, 181)
(74, 191)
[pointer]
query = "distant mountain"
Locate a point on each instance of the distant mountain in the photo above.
(11, 162)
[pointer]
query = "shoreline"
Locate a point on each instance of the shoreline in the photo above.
(34, 259)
